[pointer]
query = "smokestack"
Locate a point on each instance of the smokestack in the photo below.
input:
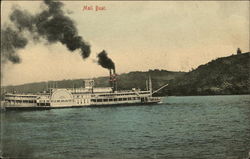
(110, 77)
(114, 80)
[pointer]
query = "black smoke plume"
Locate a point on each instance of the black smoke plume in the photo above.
(11, 40)
(51, 24)
(105, 61)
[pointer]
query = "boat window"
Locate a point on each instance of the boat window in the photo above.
(111, 99)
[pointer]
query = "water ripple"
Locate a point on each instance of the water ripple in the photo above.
(202, 127)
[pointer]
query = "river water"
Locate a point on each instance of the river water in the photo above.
(193, 127)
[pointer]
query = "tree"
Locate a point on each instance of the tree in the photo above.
(238, 51)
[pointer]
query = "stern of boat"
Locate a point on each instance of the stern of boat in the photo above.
(155, 99)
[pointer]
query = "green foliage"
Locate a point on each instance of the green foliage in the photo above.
(125, 81)
(227, 75)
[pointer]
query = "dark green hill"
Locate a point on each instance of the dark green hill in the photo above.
(125, 81)
(226, 75)
(138, 79)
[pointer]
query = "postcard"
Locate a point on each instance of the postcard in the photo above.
(125, 79)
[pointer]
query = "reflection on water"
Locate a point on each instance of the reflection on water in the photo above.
(213, 127)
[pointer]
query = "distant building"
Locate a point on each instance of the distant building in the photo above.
(238, 51)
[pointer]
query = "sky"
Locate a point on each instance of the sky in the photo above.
(137, 35)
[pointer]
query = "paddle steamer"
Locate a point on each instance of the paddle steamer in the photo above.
(88, 95)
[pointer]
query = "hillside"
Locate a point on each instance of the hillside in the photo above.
(125, 81)
(226, 75)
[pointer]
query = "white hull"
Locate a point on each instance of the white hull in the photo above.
(81, 97)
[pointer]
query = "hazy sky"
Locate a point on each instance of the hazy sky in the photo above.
(138, 36)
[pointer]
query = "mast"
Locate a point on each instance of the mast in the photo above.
(150, 85)
(47, 87)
